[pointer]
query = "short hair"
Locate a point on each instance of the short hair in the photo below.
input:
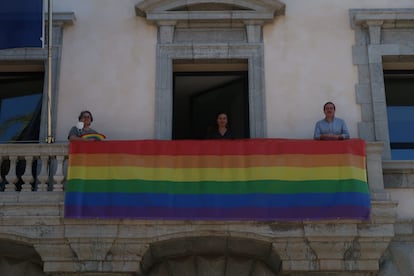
(83, 112)
(327, 104)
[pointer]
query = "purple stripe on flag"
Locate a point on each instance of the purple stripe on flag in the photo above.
(245, 213)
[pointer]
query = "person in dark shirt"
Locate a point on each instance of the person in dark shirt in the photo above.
(221, 130)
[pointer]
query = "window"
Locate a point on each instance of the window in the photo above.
(383, 39)
(199, 96)
(197, 30)
(23, 110)
(20, 106)
(399, 93)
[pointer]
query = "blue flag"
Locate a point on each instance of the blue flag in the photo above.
(21, 23)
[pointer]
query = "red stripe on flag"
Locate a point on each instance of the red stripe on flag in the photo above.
(220, 147)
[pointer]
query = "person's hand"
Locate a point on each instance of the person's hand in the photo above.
(331, 136)
(335, 136)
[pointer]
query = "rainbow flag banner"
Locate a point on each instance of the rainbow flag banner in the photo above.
(252, 179)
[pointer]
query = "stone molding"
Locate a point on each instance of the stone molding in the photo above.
(60, 20)
(237, 28)
(377, 37)
(374, 171)
(52, 159)
(386, 18)
(223, 10)
(398, 173)
(166, 53)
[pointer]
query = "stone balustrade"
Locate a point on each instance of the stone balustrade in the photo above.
(33, 167)
(42, 167)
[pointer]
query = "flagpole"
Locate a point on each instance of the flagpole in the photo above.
(49, 138)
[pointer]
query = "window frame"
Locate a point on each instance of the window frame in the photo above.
(398, 102)
(28, 57)
(379, 34)
(13, 91)
(238, 34)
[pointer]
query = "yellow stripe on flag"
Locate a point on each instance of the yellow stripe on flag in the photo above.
(216, 174)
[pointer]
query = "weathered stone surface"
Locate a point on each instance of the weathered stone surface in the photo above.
(210, 266)
(10, 266)
(294, 249)
(238, 267)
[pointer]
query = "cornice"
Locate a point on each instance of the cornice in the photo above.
(62, 18)
(159, 11)
(386, 18)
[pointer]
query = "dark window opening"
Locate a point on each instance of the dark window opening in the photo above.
(399, 93)
(199, 96)
(20, 106)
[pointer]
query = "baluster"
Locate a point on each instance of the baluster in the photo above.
(27, 176)
(43, 175)
(3, 168)
(65, 171)
(52, 171)
(59, 177)
(11, 177)
(35, 172)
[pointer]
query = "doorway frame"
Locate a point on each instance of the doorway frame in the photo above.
(197, 30)
(244, 106)
(164, 84)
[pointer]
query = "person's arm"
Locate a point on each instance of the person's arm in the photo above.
(74, 138)
(317, 132)
(345, 132)
(328, 136)
(341, 128)
(74, 134)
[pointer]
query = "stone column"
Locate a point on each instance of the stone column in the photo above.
(374, 171)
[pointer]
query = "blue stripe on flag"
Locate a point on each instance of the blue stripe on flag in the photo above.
(214, 201)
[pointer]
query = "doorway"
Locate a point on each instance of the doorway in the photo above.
(199, 95)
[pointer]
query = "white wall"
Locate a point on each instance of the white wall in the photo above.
(308, 61)
(108, 66)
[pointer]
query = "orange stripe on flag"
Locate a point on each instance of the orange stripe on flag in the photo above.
(210, 161)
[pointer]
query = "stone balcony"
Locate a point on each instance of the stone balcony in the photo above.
(34, 230)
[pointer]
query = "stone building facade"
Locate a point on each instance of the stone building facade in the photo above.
(36, 239)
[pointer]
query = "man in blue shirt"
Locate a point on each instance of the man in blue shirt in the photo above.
(330, 128)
